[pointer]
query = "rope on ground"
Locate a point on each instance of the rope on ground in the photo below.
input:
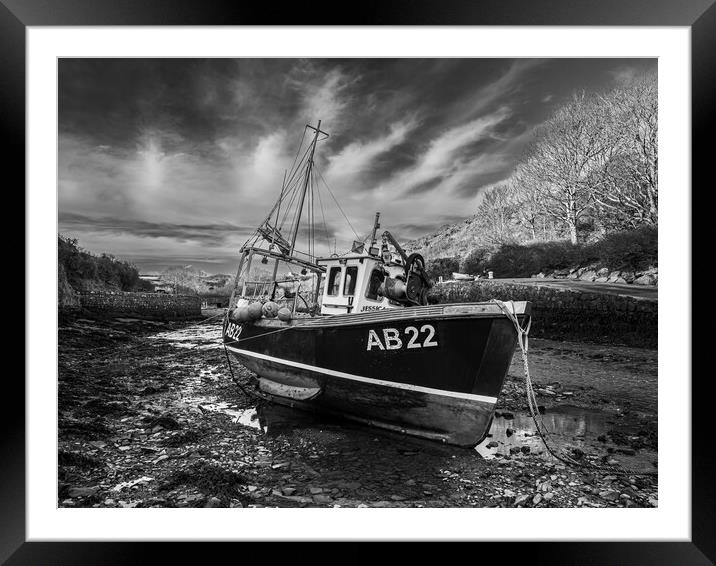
(523, 341)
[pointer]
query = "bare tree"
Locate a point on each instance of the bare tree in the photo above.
(528, 208)
(496, 215)
(568, 149)
(629, 181)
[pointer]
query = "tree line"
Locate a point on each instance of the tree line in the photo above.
(84, 270)
(591, 169)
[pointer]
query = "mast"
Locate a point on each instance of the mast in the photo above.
(317, 129)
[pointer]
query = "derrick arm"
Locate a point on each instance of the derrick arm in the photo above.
(388, 236)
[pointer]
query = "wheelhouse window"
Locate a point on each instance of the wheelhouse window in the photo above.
(349, 284)
(376, 278)
(334, 281)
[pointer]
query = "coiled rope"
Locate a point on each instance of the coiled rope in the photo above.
(523, 341)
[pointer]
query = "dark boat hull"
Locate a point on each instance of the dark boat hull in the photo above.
(434, 372)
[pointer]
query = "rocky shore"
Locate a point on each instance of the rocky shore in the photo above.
(150, 417)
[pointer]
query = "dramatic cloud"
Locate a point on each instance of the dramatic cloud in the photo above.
(176, 161)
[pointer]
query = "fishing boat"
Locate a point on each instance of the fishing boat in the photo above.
(355, 334)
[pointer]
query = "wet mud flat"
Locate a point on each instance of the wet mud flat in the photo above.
(150, 417)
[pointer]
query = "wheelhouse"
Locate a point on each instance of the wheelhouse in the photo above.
(353, 284)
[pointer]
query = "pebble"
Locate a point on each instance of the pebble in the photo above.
(213, 503)
(83, 491)
(520, 499)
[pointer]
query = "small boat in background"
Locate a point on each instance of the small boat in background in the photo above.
(462, 276)
(354, 334)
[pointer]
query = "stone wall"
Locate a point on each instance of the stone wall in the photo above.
(147, 305)
(567, 314)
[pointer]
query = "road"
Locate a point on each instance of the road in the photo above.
(639, 291)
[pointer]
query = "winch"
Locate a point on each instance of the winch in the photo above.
(410, 285)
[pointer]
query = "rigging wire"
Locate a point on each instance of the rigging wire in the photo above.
(337, 203)
(323, 214)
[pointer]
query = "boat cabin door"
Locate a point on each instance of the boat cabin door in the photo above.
(341, 286)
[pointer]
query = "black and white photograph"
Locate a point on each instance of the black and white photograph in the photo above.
(360, 282)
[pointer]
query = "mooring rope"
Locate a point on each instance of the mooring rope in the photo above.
(523, 341)
(248, 394)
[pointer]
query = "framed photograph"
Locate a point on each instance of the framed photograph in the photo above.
(299, 265)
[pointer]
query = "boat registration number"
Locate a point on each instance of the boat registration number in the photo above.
(411, 338)
(233, 331)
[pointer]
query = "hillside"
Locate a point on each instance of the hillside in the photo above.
(450, 240)
(80, 270)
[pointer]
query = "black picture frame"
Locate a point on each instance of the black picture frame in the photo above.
(699, 15)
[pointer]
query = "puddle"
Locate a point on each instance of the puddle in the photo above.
(569, 427)
(201, 337)
(132, 483)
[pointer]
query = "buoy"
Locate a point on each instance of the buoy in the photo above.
(270, 309)
(284, 314)
(243, 313)
(255, 311)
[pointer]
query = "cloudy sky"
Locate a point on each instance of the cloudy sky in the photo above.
(176, 161)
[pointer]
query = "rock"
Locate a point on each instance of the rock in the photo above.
(603, 272)
(509, 432)
(410, 482)
(548, 496)
(315, 490)
(289, 490)
(589, 275)
(646, 279)
(302, 499)
(577, 454)
(609, 495)
(83, 491)
(525, 449)
(508, 493)
(321, 498)
(213, 503)
(492, 444)
(521, 499)
(165, 421)
(537, 498)
(508, 416)
(542, 409)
